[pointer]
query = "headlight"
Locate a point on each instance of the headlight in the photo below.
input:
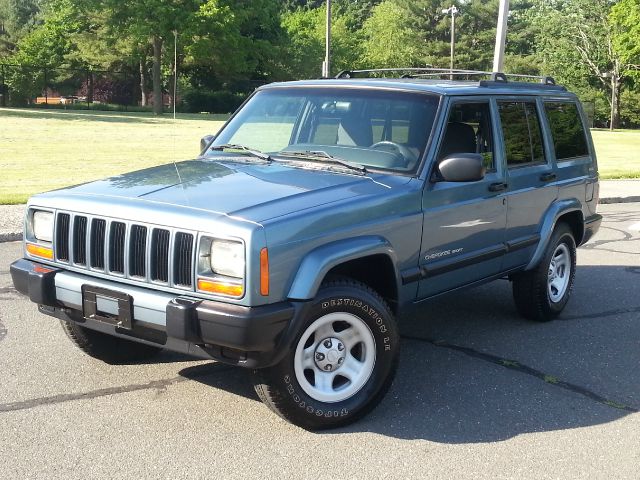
(43, 226)
(227, 258)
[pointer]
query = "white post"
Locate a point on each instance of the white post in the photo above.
(501, 36)
(326, 65)
(175, 71)
(453, 10)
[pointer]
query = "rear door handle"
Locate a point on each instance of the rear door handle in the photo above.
(548, 177)
(498, 187)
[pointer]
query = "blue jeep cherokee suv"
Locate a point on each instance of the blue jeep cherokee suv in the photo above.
(318, 213)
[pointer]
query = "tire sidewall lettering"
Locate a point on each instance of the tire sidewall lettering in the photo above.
(309, 408)
(362, 307)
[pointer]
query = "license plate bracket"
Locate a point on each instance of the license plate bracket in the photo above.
(91, 310)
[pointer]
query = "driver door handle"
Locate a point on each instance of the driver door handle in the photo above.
(548, 177)
(498, 187)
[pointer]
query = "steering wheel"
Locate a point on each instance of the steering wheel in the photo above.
(393, 147)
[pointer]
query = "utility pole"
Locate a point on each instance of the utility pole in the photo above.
(453, 11)
(326, 65)
(501, 36)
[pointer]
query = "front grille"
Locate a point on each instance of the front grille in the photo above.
(160, 254)
(182, 259)
(141, 252)
(80, 240)
(98, 233)
(62, 237)
(138, 251)
(116, 247)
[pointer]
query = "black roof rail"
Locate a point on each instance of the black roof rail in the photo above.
(429, 71)
(352, 73)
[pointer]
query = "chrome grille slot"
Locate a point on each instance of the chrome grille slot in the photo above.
(182, 259)
(138, 251)
(97, 242)
(80, 240)
(160, 240)
(62, 237)
(116, 247)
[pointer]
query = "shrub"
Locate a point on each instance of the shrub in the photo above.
(212, 102)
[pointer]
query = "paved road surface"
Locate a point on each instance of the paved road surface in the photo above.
(480, 393)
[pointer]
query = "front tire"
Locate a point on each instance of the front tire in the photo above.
(340, 365)
(542, 293)
(109, 349)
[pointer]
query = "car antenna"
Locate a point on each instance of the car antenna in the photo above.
(175, 164)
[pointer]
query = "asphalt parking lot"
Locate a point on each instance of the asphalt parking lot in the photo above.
(480, 393)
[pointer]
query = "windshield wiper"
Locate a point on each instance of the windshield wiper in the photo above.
(232, 146)
(324, 157)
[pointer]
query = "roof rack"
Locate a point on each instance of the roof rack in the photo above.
(427, 72)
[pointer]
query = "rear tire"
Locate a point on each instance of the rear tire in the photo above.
(109, 349)
(341, 363)
(542, 293)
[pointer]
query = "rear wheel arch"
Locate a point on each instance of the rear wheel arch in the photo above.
(563, 212)
(575, 221)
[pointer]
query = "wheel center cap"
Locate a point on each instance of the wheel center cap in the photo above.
(330, 354)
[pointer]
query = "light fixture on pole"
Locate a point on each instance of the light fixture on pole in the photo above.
(501, 36)
(326, 65)
(453, 11)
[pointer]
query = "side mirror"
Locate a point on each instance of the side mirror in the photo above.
(205, 141)
(462, 167)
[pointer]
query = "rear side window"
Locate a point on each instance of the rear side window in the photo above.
(567, 130)
(522, 133)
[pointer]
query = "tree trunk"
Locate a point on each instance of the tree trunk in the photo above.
(615, 103)
(143, 84)
(157, 79)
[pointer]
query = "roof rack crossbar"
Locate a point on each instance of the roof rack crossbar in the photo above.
(411, 72)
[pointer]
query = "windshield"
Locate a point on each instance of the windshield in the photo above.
(377, 129)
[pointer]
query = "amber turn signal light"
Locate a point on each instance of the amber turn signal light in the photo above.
(220, 288)
(264, 272)
(40, 251)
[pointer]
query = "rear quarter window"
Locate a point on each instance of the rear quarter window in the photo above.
(567, 130)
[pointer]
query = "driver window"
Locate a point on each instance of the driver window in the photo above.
(469, 131)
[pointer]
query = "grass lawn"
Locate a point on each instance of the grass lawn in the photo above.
(618, 153)
(42, 150)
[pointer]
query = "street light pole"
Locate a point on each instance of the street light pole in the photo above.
(453, 11)
(326, 65)
(501, 36)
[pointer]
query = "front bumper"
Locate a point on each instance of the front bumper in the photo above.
(253, 337)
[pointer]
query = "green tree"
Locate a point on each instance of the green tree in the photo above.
(576, 42)
(148, 22)
(306, 32)
(625, 21)
(388, 39)
(47, 45)
(475, 31)
(17, 17)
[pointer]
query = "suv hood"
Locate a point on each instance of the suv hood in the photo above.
(255, 192)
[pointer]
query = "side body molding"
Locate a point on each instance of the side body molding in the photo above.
(555, 211)
(317, 263)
